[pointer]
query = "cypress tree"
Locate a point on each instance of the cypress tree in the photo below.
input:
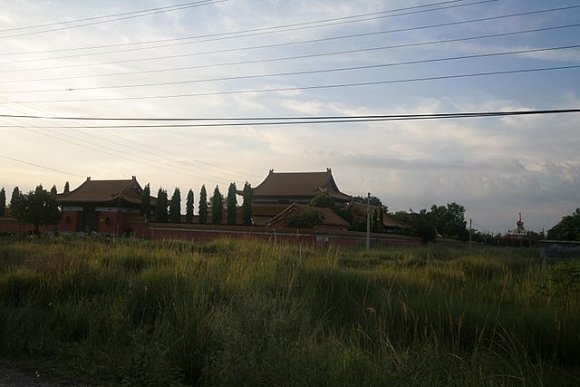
(2, 202)
(175, 207)
(145, 201)
(189, 207)
(203, 205)
(15, 197)
(247, 205)
(374, 221)
(53, 190)
(66, 188)
(232, 204)
(161, 208)
(217, 206)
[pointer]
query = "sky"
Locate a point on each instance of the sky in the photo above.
(231, 58)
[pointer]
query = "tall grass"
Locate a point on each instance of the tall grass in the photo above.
(253, 313)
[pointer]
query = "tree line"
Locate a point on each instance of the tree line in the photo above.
(40, 207)
(163, 209)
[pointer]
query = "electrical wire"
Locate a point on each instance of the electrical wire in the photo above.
(432, 42)
(304, 72)
(339, 37)
(91, 146)
(253, 121)
(312, 87)
(262, 31)
(39, 166)
(195, 4)
(223, 33)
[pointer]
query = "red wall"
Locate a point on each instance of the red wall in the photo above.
(119, 223)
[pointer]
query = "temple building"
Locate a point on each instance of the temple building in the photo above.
(280, 189)
(102, 206)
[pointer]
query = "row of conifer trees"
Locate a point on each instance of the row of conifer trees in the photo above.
(212, 211)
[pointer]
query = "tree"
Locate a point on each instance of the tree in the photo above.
(15, 197)
(450, 221)
(424, 226)
(375, 220)
(568, 229)
(161, 208)
(203, 205)
(217, 206)
(373, 201)
(53, 190)
(175, 207)
(189, 207)
(145, 201)
(66, 188)
(232, 204)
(247, 205)
(2, 202)
(306, 219)
(323, 200)
(38, 207)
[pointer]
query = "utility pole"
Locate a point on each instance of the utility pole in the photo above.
(368, 221)
(470, 232)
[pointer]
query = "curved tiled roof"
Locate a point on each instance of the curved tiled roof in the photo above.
(299, 184)
(104, 191)
(330, 217)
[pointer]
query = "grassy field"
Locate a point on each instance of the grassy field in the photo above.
(254, 313)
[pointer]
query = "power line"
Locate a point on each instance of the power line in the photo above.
(261, 31)
(165, 151)
(243, 121)
(404, 45)
(163, 155)
(132, 15)
(313, 87)
(40, 166)
(304, 72)
(339, 37)
(91, 145)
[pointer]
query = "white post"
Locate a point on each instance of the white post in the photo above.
(368, 221)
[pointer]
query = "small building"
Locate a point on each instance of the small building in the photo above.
(102, 206)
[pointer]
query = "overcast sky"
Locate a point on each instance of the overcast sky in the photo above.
(72, 63)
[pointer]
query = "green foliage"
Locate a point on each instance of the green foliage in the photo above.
(203, 205)
(38, 207)
(450, 221)
(568, 229)
(425, 226)
(246, 313)
(373, 201)
(306, 219)
(247, 205)
(146, 201)
(217, 206)
(2, 202)
(323, 200)
(53, 190)
(175, 207)
(161, 206)
(189, 207)
(232, 203)
(15, 197)
(66, 188)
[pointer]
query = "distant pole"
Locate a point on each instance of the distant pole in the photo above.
(368, 221)
(470, 232)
